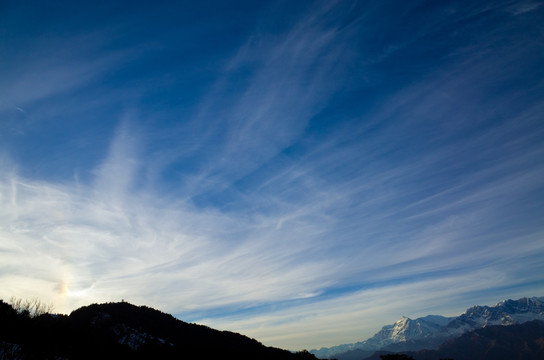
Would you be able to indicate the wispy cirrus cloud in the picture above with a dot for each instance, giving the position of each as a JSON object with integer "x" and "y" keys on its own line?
{"x": 319, "y": 188}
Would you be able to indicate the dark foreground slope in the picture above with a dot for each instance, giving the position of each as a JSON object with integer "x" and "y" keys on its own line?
{"x": 519, "y": 342}
{"x": 122, "y": 331}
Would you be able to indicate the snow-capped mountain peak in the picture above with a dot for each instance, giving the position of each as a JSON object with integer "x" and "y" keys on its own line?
{"x": 406, "y": 329}
{"x": 506, "y": 312}
{"x": 431, "y": 330}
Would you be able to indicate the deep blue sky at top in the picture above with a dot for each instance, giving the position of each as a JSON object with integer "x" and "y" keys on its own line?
{"x": 176, "y": 51}
{"x": 172, "y": 52}
{"x": 242, "y": 158}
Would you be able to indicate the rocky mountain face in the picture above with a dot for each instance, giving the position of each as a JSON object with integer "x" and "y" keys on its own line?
{"x": 406, "y": 329}
{"x": 122, "y": 331}
{"x": 430, "y": 331}
{"x": 506, "y": 312}
{"x": 494, "y": 342}
{"x": 405, "y": 334}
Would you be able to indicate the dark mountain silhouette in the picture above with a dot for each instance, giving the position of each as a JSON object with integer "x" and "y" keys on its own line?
{"x": 497, "y": 342}
{"x": 520, "y": 342}
{"x": 122, "y": 331}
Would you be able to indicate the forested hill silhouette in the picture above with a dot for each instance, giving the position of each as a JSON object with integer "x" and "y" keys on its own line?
{"x": 122, "y": 331}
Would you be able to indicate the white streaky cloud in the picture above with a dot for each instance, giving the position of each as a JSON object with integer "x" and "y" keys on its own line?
{"x": 86, "y": 248}
{"x": 37, "y": 81}
{"x": 242, "y": 213}
{"x": 286, "y": 81}
{"x": 138, "y": 248}
{"x": 56, "y": 63}
{"x": 116, "y": 175}
{"x": 522, "y": 7}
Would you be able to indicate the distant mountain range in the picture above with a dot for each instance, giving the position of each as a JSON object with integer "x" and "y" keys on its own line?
{"x": 494, "y": 342}
{"x": 122, "y": 331}
{"x": 511, "y": 329}
{"x": 431, "y": 331}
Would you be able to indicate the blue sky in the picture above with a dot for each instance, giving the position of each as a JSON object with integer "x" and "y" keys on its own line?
{"x": 301, "y": 173}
